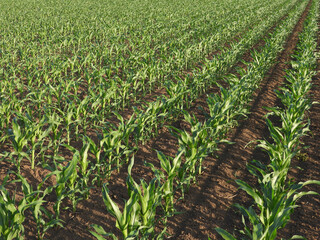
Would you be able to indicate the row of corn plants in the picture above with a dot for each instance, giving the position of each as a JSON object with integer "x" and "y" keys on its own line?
{"x": 276, "y": 197}
{"x": 176, "y": 174}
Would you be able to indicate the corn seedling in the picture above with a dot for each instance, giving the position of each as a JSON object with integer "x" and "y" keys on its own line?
{"x": 128, "y": 221}
{"x": 12, "y": 214}
{"x": 36, "y": 199}
{"x": 65, "y": 186}
{"x": 149, "y": 197}
{"x": 19, "y": 139}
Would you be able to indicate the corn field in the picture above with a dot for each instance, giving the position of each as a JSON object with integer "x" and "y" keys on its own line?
{"x": 124, "y": 119}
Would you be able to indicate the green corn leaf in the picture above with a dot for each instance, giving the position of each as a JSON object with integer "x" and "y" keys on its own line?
{"x": 297, "y": 237}
{"x": 111, "y": 206}
{"x": 223, "y": 233}
{"x": 69, "y": 170}
{"x": 301, "y": 194}
{"x": 251, "y": 191}
{"x": 100, "y": 231}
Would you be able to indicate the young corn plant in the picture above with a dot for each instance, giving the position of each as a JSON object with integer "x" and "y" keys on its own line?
{"x": 36, "y": 198}
{"x": 54, "y": 122}
{"x": 149, "y": 197}
{"x": 81, "y": 117}
{"x": 115, "y": 142}
{"x": 19, "y": 138}
{"x": 138, "y": 219}
{"x": 128, "y": 221}
{"x": 149, "y": 120}
{"x": 68, "y": 120}
{"x": 74, "y": 185}
{"x": 84, "y": 170}
{"x": 196, "y": 147}
{"x": 171, "y": 168}
{"x": 126, "y": 128}
{"x": 99, "y": 169}
{"x": 113, "y": 147}
{"x": 11, "y": 218}
{"x": 12, "y": 214}
{"x": 286, "y": 139}
{"x": 178, "y": 92}
{"x": 36, "y": 136}
{"x": 65, "y": 186}
{"x": 5, "y": 112}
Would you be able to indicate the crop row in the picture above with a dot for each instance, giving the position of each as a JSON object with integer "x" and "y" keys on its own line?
{"x": 276, "y": 197}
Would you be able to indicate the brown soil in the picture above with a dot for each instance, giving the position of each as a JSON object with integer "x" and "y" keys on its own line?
{"x": 209, "y": 202}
